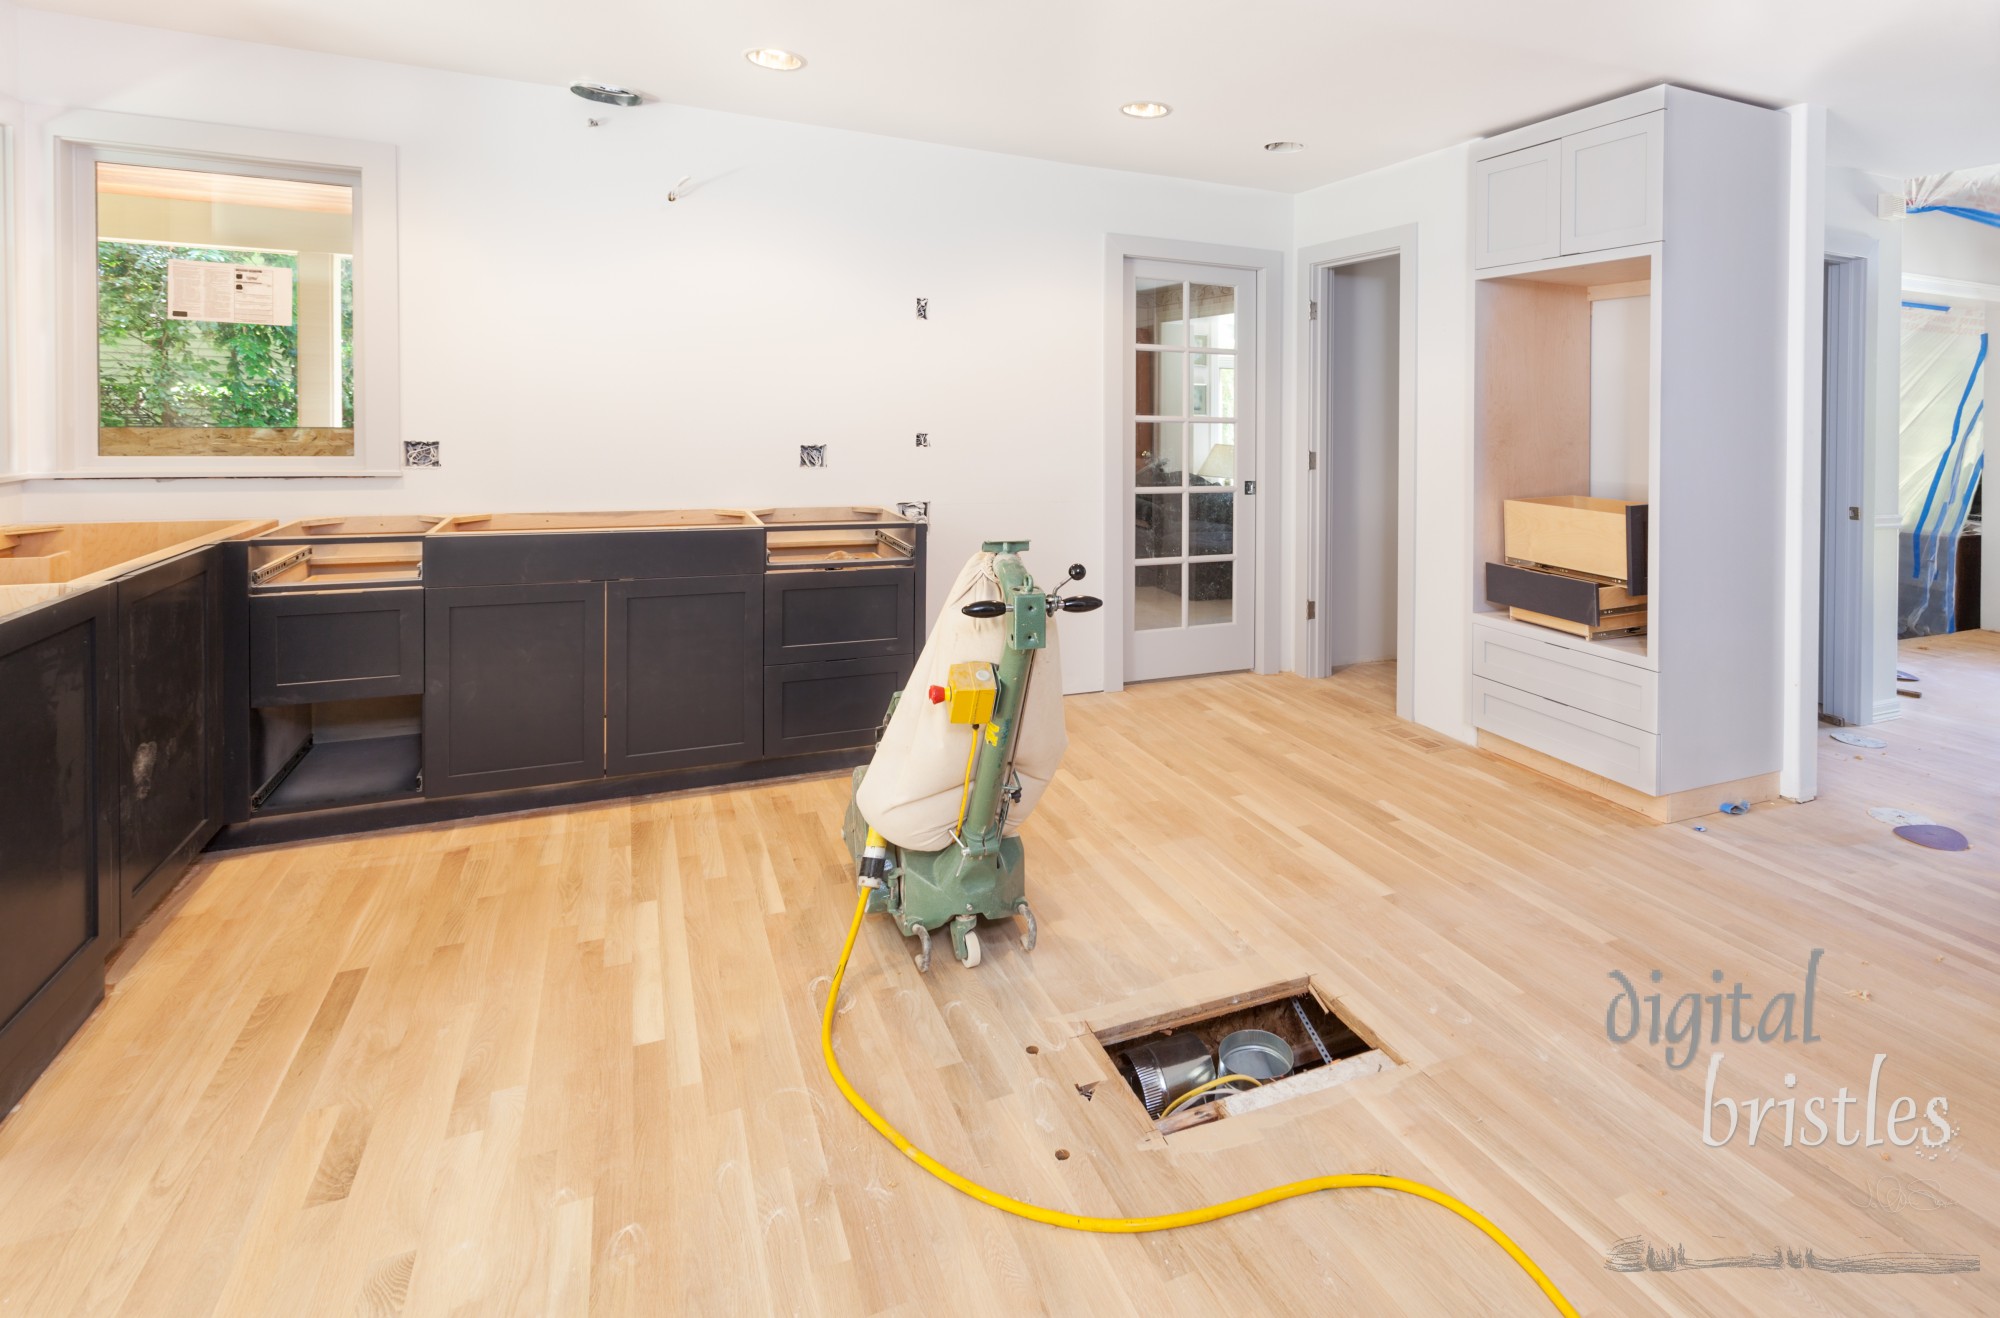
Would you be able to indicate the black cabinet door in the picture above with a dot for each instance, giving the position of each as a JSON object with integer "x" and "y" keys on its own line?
{"x": 58, "y": 789}
{"x": 839, "y": 613}
{"x": 336, "y": 645}
{"x": 686, "y": 673}
{"x": 514, "y": 686}
{"x": 829, "y": 706}
{"x": 170, "y": 665}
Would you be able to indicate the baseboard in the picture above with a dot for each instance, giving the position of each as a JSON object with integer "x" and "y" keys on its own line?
{"x": 1892, "y": 708}
{"x": 1669, "y": 809}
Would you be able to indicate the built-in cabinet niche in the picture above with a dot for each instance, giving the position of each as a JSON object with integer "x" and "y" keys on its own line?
{"x": 1629, "y": 327}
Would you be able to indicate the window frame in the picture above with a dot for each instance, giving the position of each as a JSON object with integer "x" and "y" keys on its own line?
{"x": 82, "y": 140}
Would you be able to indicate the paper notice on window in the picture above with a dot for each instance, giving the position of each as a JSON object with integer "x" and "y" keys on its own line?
{"x": 241, "y": 294}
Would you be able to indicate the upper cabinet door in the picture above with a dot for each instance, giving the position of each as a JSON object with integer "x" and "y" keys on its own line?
{"x": 1515, "y": 204}
{"x": 1611, "y": 184}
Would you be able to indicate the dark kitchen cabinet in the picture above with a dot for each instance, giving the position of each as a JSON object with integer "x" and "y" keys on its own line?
{"x": 514, "y": 686}
{"x": 833, "y": 705}
{"x": 336, "y": 645}
{"x": 684, "y": 673}
{"x": 58, "y": 822}
{"x": 169, "y": 725}
{"x": 841, "y": 613}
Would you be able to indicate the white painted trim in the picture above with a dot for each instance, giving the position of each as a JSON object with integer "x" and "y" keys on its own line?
{"x": 1308, "y": 504}
{"x": 1967, "y": 290}
{"x": 79, "y": 138}
{"x": 1798, "y": 772}
{"x": 1118, "y": 333}
{"x": 8, "y": 284}
{"x": 1629, "y": 106}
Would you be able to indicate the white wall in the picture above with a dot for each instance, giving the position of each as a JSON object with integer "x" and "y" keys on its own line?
{"x": 1948, "y": 247}
{"x": 577, "y": 342}
{"x": 10, "y": 117}
{"x": 1431, "y": 193}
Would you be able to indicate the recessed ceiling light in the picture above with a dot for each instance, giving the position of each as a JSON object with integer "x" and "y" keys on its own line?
{"x": 1281, "y": 148}
{"x": 1146, "y": 109}
{"x": 770, "y": 57}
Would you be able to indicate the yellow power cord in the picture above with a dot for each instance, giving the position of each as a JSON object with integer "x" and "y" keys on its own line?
{"x": 1203, "y": 1088}
{"x": 1163, "y": 1221}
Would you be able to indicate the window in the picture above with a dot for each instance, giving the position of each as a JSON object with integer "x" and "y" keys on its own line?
{"x": 229, "y": 301}
{"x": 224, "y": 315}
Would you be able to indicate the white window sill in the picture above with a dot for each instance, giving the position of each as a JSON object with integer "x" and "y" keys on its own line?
{"x": 170, "y": 474}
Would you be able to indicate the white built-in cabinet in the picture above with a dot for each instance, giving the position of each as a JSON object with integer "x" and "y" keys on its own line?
{"x": 1629, "y": 339}
{"x": 1585, "y": 191}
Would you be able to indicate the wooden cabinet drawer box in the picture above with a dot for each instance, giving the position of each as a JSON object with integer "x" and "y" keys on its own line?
{"x": 336, "y": 645}
{"x": 1607, "y": 748}
{"x": 1600, "y": 537}
{"x": 1581, "y": 606}
{"x": 1623, "y": 692}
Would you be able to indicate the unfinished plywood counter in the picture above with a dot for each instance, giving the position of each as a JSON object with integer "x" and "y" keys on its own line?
{"x": 48, "y": 560}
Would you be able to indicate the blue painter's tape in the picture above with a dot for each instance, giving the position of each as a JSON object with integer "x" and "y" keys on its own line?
{"x": 1926, "y": 306}
{"x": 1916, "y": 555}
{"x": 1972, "y": 213}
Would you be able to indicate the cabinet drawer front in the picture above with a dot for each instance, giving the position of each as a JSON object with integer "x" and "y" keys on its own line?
{"x": 1623, "y": 693}
{"x": 849, "y": 613}
{"x": 1604, "y": 747}
{"x": 829, "y": 706}
{"x": 340, "y": 645}
{"x": 1515, "y": 204}
{"x": 499, "y": 558}
{"x": 1611, "y": 179}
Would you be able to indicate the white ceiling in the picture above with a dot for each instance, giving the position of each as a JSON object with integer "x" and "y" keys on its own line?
{"x": 1911, "y": 86}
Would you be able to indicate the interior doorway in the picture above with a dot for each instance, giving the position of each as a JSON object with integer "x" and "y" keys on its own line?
{"x": 1844, "y": 697}
{"x": 1360, "y": 404}
{"x": 1361, "y": 340}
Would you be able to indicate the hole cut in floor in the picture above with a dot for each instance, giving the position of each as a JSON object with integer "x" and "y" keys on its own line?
{"x": 1201, "y": 1064}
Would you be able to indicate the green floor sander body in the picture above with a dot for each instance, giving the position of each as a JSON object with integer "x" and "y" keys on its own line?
{"x": 984, "y": 874}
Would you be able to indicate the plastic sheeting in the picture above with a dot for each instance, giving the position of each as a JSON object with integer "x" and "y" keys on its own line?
{"x": 1945, "y": 352}
{"x": 1970, "y": 194}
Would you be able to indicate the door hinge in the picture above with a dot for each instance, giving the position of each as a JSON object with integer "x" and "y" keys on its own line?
{"x": 1312, "y": 609}
{"x": 1249, "y": 488}
{"x": 1312, "y": 462}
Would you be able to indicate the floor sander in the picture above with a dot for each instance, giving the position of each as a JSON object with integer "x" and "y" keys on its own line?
{"x": 935, "y": 844}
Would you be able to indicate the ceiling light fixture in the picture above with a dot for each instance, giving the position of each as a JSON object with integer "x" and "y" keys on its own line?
{"x": 1146, "y": 109}
{"x": 605, "y": 94}
{"x": 1284, "y": 148}
{"x": 779, "y": 61}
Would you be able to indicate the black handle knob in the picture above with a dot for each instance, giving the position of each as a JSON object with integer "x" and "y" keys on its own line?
{"x": 1082, "y": 604}
{"x": 1076, "y": 572}
{"x": 984, "y": 609}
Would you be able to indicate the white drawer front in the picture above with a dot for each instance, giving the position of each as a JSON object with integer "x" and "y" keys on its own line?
{"x": 1610, "y": 750}
{"x": 1624, "y": 693}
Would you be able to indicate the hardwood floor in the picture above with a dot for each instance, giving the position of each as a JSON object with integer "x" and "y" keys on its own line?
{"x": 567, "y": 1063}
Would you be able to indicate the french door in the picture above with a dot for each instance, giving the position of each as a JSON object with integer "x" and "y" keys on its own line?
{"x": 1191, "y": 433}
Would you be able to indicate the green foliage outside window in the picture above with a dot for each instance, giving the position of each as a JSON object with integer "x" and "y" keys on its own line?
{"x": 153, "y": 371}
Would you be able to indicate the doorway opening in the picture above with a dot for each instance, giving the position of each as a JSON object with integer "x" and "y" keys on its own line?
{"x": 1360, "y": 439}
{"x": 1360, "y": 338}
{"x": 1844, "y": 698}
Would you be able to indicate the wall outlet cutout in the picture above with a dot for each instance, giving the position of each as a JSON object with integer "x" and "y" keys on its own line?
{"x": 421, "y": 453}
{"x": 923, "y": 308}
{"x": 1167, "y": 1059}
{"x": 923, "y": 439}
{"x": 812, "y": 455}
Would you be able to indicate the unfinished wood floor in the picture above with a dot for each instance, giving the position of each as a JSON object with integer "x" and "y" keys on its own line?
{"x": 567, "y": 1063}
